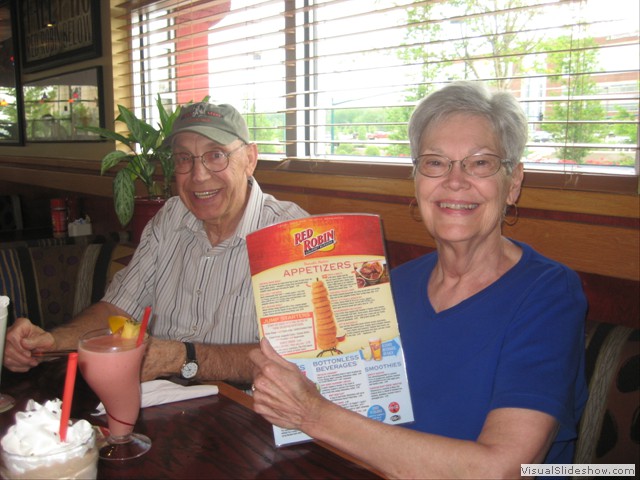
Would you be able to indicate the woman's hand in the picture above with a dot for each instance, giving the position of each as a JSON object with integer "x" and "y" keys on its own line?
{"x": 22, "y": 338}
{"x": 282, "y": 394}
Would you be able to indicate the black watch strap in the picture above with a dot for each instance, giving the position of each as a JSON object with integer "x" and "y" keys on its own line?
{"x": 191, "y": 351}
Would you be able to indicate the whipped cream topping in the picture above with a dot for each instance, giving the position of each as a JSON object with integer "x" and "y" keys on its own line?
{"x": 36, "y": 431}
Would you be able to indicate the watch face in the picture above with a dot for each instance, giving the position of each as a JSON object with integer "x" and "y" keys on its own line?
{"x": 189, "y": 370}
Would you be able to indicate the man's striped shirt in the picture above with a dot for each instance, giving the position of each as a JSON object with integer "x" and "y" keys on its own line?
{"x": 198, "y": 292}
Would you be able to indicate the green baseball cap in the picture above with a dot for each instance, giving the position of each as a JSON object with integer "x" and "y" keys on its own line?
{"x": 221, "y": 123}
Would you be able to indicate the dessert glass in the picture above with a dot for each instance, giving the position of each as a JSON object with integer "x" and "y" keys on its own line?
{"x": 71, "y": 461}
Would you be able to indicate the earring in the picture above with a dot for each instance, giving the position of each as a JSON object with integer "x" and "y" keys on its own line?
{"x": 514, "y": 219}
{"x": 413, "y": 206}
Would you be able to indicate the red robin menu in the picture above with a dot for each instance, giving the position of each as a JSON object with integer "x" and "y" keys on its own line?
{"x": 323, "y": 299}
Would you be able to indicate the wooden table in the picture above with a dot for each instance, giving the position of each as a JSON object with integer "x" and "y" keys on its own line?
{"x": 212, "y": 437}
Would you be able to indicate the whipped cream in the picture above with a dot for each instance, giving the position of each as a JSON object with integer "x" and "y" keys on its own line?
{"x": 36, "y": 431}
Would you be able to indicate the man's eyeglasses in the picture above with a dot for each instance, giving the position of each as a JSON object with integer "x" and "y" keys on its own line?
{"x": 214, "y": 161}
{"x": 480, "y": 165}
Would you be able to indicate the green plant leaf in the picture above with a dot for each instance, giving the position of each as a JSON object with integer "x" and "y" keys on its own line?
{"x": 152, "y": 139}
{"x": 124, "y": 192}
{"x": 111, "y": 159}
{"x": 163, "y": 152}
{"x": 142, "y": 167}
{"x": 140, "y": 131}
{"x": 103, "y": 132}
{"x": 149, "y": 170}
{"x": 166, "y": 119}
{"x": 147, "y": 150}
{"x": 168, "y": 166}
{"x": 164, "y": 116}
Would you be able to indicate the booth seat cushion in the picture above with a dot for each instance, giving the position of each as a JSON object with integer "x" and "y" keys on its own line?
{"x": 50, "y": 284}
{"x": 610, "y": 426}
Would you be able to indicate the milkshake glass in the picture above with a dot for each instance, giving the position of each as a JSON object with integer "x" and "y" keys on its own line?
{"x": 32, "y": 448}
{"x": 111, "y": 366}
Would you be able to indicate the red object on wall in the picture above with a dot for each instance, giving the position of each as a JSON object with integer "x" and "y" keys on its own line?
{"x": 59, "y": 217}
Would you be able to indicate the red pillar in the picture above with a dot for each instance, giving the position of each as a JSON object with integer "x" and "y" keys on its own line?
{"x": 192, "y": 65}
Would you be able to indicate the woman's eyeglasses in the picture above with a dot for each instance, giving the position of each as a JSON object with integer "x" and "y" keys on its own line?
{"x": 480, "y": 165}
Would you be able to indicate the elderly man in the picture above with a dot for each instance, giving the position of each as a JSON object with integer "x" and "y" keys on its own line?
{"x": 191, "y": 264}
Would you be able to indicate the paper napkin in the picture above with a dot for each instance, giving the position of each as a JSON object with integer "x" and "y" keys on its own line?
{"x": 157, "y": 392}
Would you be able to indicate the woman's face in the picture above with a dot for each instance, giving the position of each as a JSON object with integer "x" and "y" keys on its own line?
{"x": 458, "y": 207}
{"x": 215, "y": 198}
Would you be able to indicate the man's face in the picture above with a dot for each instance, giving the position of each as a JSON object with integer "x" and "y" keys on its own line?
{"x": 216, "y": 198}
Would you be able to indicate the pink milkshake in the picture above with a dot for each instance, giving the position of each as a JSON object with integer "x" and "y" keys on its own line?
{"x": 111, "y": 366}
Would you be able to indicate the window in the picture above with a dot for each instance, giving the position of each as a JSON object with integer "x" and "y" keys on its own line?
{"x": 10, "y": 93}
{"x": 338, "y": 79}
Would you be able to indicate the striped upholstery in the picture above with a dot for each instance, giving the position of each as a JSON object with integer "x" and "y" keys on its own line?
{"x": 12, "y": 283}
{"x": 50, "y": 284}
{"x": 610, "y": 428}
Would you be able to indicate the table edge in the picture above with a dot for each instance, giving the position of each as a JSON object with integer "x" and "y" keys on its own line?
{"x": 246, "y": 400}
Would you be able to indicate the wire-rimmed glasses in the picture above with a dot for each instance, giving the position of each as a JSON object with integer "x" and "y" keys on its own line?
{"x": 214, "y": 161}
{"x": 479, "y": 165}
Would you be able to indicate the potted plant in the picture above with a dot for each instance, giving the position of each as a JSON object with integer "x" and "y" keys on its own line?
{"x": 146, "y": 151}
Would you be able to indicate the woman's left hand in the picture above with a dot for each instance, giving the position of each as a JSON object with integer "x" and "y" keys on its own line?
{"x": 282, "y": 393}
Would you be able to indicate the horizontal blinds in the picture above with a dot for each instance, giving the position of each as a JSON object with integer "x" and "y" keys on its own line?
{"x": 337, "y": 79}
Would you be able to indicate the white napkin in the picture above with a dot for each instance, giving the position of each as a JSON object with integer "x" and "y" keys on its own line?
{"x": 157, "y": 392}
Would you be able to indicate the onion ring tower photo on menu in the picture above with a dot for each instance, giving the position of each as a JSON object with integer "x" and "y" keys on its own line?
{"x": 326, "y": 329}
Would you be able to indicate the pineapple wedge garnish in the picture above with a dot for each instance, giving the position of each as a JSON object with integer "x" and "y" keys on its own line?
{"x": 127, "y": 327}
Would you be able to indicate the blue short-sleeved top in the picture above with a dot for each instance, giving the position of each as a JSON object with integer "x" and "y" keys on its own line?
{"x": 517, "y": 343}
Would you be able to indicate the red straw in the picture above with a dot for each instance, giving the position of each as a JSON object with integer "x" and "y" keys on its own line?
{"x": 67, "y": 396}
{"x": 143, "y": 327}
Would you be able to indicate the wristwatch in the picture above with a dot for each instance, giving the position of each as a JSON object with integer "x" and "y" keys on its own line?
{"x": 190, "y": 366}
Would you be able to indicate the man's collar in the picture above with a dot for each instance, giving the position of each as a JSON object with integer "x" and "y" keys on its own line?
{"x": 248, "y": 221}
{"x": 251, "y": 212}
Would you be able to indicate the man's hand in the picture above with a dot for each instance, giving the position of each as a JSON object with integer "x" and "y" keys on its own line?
{"x": 23, "y": 337}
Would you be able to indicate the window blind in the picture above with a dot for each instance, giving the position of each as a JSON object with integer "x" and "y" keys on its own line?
{"x": 338, "y": 79}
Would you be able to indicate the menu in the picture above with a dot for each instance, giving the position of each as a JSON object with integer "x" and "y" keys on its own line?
{"x": 323, "y": 299}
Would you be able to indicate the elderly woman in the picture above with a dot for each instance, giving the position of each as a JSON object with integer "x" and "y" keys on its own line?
{"x": 492, "y": 330}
